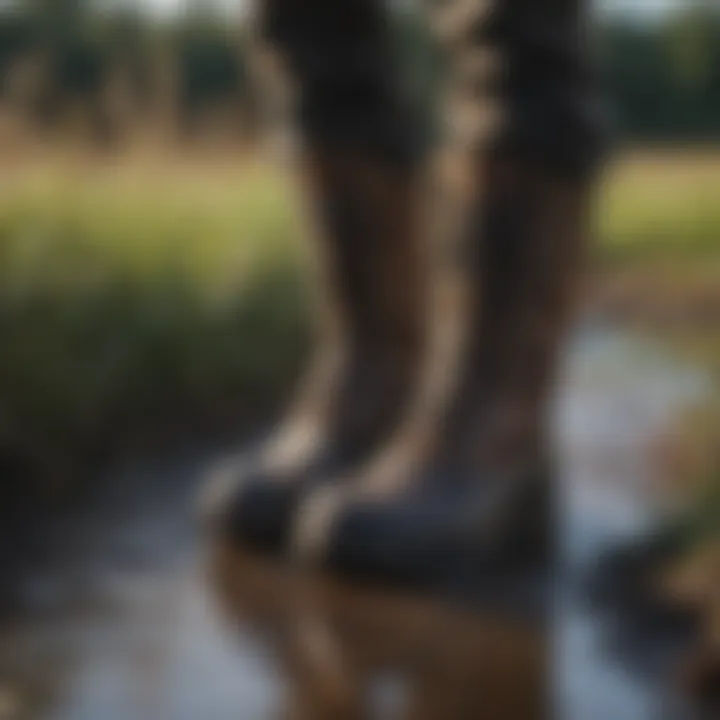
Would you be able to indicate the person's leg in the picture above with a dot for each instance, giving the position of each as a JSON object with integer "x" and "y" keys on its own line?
{"x": 524, "y": 107}
{"x": 362, "y": 162}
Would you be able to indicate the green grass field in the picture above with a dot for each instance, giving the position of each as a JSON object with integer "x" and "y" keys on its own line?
{"x": 135, "y": 297}
{"x": 139, "y": 294}
{"x": 661, "y": 209}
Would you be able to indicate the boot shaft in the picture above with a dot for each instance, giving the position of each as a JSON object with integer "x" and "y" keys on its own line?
{"x": 531, "y": 170}
{"x": 373, "y": 249}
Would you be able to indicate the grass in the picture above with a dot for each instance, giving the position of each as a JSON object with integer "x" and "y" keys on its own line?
{"x": 661, "y": 209}
{"x": 133, "y": 298}
{"x": 139, "y": 295}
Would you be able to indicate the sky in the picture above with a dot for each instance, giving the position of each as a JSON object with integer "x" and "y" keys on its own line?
{"x": 172, "y": 6}
{"x": 639, "y": 8}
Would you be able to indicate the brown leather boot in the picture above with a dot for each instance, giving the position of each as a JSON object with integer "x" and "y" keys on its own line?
{"x": 478, "y": 487}
{"x": 473, "y": 490}
{"x": 363, "y": 162}
{"x": 367, "y": 366}
{"x": 359, "y": 387}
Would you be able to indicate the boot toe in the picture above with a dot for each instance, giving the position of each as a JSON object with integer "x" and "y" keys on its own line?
{"x": 246, "y": 506}
{"x": 261, "y": 515}
{"x": 400, "y": 544}
{"x": 441, "y": 543}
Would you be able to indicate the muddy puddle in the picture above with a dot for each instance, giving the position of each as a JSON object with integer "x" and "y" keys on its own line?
{"x": 120, "y": 612}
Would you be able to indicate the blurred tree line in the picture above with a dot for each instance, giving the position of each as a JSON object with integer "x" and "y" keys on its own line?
{"x": 118, "y": 71}
{"x": 664, "y": 78}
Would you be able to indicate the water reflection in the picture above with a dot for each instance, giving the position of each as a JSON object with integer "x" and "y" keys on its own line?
{"x": 351, "y": 653}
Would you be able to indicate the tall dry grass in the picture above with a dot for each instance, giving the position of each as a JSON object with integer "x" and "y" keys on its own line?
{"x": 141, "y": 291}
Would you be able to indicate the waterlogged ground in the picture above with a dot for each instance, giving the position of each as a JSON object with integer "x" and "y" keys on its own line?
{"x": 119, "y": 613}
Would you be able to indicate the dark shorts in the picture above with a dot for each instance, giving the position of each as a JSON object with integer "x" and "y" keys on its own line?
{"x": 343, "y": 58}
